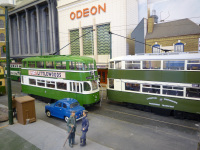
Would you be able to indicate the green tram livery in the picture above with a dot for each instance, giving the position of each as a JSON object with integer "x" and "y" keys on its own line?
{"x": 57, "y": 77}
{"x": 165, "y": 83}
{"x": 15, "y": 71}
{"x": 2, "y": 82}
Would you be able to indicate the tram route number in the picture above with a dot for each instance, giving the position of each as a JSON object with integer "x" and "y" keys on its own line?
{"x": 47, "y": 74}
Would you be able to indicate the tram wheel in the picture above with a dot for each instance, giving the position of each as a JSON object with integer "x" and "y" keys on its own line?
{"x": 66, "y": 118}
{"x": 48, "y": 113}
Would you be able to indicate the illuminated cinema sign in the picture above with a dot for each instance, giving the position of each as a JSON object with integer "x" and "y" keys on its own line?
{"x": 86, "y": 11}
{"x": 47, "y": 74}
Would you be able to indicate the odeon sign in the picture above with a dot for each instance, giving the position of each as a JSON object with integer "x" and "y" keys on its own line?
{"x": 86, "y": 12}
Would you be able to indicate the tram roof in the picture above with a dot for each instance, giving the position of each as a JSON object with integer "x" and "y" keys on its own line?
{"x": 159, "y": 56}
{"x": 60, "y": 58}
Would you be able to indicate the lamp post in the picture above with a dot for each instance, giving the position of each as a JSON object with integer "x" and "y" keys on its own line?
{"x": 8, "y": 4}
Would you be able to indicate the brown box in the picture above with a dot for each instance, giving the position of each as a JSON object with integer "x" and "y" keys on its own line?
{"x": 25, "y": 107}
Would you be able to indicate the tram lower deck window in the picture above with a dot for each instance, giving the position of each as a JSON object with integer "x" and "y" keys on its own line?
{"x": 111, "y": 83}
{"x": 132, "y": 86}
{"x": 32, "y": 81}
{"x": 193, "y": 92}
{"x": 62, "y": 86}
{"x": 50, "y": 84}
{"x": 87, "y": 87}
{"x": 40, "y": 82}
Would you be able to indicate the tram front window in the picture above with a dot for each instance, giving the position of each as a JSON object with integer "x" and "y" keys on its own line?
{"x": 87, "y": 86}
{"x": 94, "y": 85}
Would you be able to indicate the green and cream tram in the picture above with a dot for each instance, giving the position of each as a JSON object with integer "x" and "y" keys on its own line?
{"x": 15, "y": 71}
{"x": 166, "y": 83}
{"x": 2, "y": 82}
{"x": 58, "y": 77}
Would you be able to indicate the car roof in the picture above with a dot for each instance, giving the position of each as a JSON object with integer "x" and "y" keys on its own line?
{"x": 68, "y": 100}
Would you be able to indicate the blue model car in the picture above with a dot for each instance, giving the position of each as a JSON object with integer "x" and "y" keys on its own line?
{"x": 62, "y": 109}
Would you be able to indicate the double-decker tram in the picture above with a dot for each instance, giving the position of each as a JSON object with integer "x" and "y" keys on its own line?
{"x": 2, "y": 82}
{"x": 57, "y": 77}
{"x": 15, "y": 71}
{"x": 165, "y": 83}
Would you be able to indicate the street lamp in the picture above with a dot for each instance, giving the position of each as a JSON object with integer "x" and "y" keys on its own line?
{"x": 8, "y": 4}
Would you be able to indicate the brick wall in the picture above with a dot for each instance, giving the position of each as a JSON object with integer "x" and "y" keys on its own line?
{"x": 190, "y": 42}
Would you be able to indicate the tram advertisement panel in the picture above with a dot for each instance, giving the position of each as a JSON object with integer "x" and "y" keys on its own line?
{"x": 47, "y": 74}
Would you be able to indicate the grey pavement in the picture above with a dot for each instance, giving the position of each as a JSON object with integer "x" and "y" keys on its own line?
{"x": 46, "y": 136}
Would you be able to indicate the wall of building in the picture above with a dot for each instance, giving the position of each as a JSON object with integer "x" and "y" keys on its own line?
{"x": 2, "y": 31}
{"x": 190, "y": 42}
{"x": 119, "y": 14}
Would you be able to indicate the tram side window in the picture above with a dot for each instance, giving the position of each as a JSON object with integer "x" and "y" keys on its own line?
{"x": 132, "y": 86}
{"x": 91, "y": 66}
{"x": 151, "y": 64}
{"x": 40, "y": 64}
{"x": 77, "y": 87}
{"x": 31, "y": 64}
{"x": 193, "y": 92}
{"x": 112, "y": 65}
{"x": 87, "y": 87}
{"x": 85, "y": 67}
{"x": 193, "y": 65}
{"x": 25, "y": 64}
{"x": 71, "y": 65}
{"x": 79, "y": 66}
{"x": 118, "y": 65}
{"x": 151, "y": 88}
{"x": 63, "y": 65}
{"x": 173, "y": 65}
{"x": 175, "y": 91}
{"x": 50, "y": 84}
{"x": 111, "y": 83}
{"x": 32, "y": 81}
{"x": 60, "y": 65}
{"x": 49, "y": 64}
{"x": 132, "y": 65}
{"x": 41, "y": 82}
{"x": 62, "y": 86}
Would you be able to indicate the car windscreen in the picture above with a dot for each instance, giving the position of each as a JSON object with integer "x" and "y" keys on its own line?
{"x": 74, "y": 105}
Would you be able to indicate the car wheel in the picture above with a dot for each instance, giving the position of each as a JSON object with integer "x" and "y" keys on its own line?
{"x": 66, "y": 118}
{"x": 48, "y": 113}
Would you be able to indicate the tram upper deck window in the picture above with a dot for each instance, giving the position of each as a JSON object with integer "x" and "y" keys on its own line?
{"x": 132, "y": 86}
{"x": 49, "y": 64}
{"x": 85, "y": 67}
{"x": 151, "y": 64}
{"x": 112, "y": 65}
{"x": 79, "y": 66}
{"x": 25, "y": 64}
{"x": 94, "y": 85}
{"x": 87, "y": 86}
{"x": 118, "y": 65}
{"x": 60, "y": 65}
{"x": 173, "y": 65}
{"x": 111, "y": 83}
{"x": 91, "y": 66}
{"x": 132, "y": 65}
{"x": 31, "y": 64}
{"x": 193, "y": 65}
{"x": 171, "y": 90}
{"x": 72, "y": 65}
{"x": 151, "y": 88}
{"x": 40, "y": 64}
{"x": 62, "y": 86}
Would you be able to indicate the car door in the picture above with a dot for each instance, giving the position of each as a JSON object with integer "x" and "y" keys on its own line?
{"x": 58, "y": 110}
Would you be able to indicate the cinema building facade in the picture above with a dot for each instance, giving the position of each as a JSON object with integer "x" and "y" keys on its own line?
{"x": 94, "y": 19}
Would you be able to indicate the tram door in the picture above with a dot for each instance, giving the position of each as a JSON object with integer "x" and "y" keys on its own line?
{"x": 77, "y": 88}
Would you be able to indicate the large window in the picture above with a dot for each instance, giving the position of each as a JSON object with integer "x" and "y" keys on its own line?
{"x": 151, "y": 88}
{"x": 1, "y": 24}
{"x": 193, "y": 92}
{"x": 61, "y": 86}
{"x": 49, "y": 64}
{"x": 193, "y": 65}
{"x": 31, "y": 64}
{"x": 132, "y": 65}
{"x": 179, "y": 47}
{"x": 171, "y": 90}
{"x": 156, "y": 48}
{"x": 75, "y": 44}
{"x": 173, "y": 65}
{"x": 2, "y": 37}
{"x": 151, "y": 64}
{"x": 132, "y": 86}
{"x": 60, "y": 65}
{"x": 32, "y": 81}
{"x": 88, "y": 42}
{"x": 40, "y": 64}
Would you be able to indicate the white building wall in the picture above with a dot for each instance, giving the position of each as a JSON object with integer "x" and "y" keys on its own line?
{"x": 119, "y": 13}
